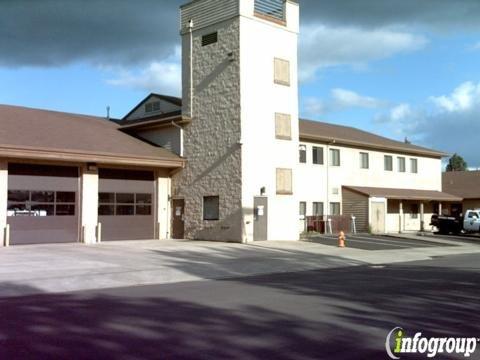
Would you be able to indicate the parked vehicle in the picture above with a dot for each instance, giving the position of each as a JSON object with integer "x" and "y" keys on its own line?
{"x": 470, "y": 223}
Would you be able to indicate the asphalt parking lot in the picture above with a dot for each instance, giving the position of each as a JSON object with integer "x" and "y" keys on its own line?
{"x": 376, "y": 242}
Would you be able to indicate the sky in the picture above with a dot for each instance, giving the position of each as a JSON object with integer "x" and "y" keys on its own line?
{"x": 398, "y": 68}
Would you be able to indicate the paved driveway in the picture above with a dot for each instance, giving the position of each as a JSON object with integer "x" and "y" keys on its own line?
{"x": 376, "y": 242}
{"x": 71, "y": 267}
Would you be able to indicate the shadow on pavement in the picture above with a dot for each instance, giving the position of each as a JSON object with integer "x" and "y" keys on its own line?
{"x": 327, "y": 314}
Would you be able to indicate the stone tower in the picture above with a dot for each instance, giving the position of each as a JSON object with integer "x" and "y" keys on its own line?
{"x": 240, "y": 90}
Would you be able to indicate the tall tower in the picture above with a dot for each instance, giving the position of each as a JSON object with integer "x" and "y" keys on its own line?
{"x": 240, "y": 90}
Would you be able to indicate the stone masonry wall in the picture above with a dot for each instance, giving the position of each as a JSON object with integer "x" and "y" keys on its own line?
{"x": 212, "y": 140}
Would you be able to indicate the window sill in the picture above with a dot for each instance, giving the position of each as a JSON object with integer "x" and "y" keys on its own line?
{"x": 287, "y": 138}
{"x": 283, "y": 83}
{"x": 270, "y": 18}
{"x": 284, "y": 193}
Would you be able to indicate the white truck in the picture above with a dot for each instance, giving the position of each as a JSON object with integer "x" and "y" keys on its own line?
{"x": 470, "y": 223}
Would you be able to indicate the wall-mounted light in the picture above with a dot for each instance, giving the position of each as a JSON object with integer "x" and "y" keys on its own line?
{"x": 263, "y": 191}
{"x": 92, "y": 167}
{"x": 231, "y": 56}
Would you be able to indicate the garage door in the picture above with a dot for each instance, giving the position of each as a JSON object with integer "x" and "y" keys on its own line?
{"x": 126, "y": 204}
{"x": 42, "y": 204}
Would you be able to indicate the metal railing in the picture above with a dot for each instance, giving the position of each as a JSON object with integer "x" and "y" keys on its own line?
{"x": 272, "y": 8}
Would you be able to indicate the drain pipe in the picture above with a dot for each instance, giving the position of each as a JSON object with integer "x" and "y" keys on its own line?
{"x": 190, "y": 31}
{"x": 181, "y": 136}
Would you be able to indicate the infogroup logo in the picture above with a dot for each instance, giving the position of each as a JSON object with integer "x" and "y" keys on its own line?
{"x": 398, "y": 343}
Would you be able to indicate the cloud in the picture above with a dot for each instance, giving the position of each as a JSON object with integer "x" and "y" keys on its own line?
{"x": 439, "y": 15}
{"x": 322, "y": 46}
{"x": 449, "y": 122}
{"x": 340, "y": 100}
{"x": 464, "y": 98}
{"x": 103, "y": 32}
{"x": 164, "y": 76}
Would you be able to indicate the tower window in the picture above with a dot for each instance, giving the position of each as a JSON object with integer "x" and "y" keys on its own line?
{"x": 271, "y": 8}
{"x": 209, "y": 39}
{"x": 282, "y": 72}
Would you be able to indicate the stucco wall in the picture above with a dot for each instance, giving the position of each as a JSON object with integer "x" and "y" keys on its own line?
{"x": 312, "y": 179}
{"x": 211, "y": 141}
{"x": 3, "y": 199}
{"x": 261, "y": 42}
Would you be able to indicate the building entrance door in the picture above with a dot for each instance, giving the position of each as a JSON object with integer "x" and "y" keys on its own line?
{"x": 378, "y": 217}
{"x": 260, "y": 224}
{"x": 178, "y": 222}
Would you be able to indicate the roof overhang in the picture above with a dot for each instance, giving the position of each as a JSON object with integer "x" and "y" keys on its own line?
{"x": 365, "y": 145}
{"x": 84, "y": 157}
{"x": 404, "y": 194}
{"x": 156, "y": 123}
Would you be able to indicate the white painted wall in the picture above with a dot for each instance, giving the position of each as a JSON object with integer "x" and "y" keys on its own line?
{"x": 3, "y": 199}
{"x": 89, "y": 205}
{"x": 312, "y": 179}
{"x": 163, "y": 192}
{"x": 261, "y": 42}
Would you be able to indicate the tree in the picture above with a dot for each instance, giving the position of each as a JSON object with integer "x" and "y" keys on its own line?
{"x": 457, "y": 163}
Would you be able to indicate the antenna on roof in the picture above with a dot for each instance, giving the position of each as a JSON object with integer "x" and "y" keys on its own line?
{"x": 108, "y": 112}
{"x": 407, "y": 141}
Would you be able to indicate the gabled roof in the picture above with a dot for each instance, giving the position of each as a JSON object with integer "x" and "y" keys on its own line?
{"x": 50, "y": 135}
{"x": 465, "y": 184}
{"x": 345, "y": 135}
{"x": 404, "y": 194}
{"x": 171, "y": 99}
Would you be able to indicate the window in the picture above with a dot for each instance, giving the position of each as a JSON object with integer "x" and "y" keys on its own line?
{"x": 282, "y": 72}
{"x": 284, "y": 182}
{"x": 388, "y": 160}
{"x": 41, "y": 203}
{"x": 283, "y": 127}
{"x": 364, "y": 161}
{"x": 334, "y": 157}
{"x": 414, "y": 166}
{"x": 152, "y": 107}
{"x": 317, "y": 209}
{"x": 211, "y": 208}
{"x": 209, "y": 39}
{"x": 401, "y": 164}
{"x": 303, "y": 210}
{"x": 414, "y": 211}
{"x": 303, "y": 154}
{"x": 317, "y": 155}
{"x": 473, "y": 215}
{"x": 270, "y": 8}
{"x": 124, "y": 204}
{"x": 334, "y": 208}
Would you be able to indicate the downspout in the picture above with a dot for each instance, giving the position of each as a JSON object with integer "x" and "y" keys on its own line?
{"x": 327, "y": 207}
{"x": 190, "y": 31}
{"x": 181, "y": 136}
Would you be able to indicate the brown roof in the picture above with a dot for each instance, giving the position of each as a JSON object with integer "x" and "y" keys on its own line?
{"x": 154, "y": 121}
{"x": 465, "y": 184}
{"x": 325, "y": 132}
{"x": 404, "y": 194}
{"x": 50, "y": 135}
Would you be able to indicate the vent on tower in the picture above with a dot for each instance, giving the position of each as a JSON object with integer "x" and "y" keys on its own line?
{"x": 271, "y": 8}
{"x": 209, "y": 39}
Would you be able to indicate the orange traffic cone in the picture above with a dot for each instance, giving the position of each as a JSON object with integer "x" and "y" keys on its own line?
{"x": 341, "y": 239}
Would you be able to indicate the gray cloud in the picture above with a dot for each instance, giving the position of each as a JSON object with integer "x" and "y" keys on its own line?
{"x": 443, "y": 15}
{"x": 125, "y": 32}
{"x": 105, "y": 32}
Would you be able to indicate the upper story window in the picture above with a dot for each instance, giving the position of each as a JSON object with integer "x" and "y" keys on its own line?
{"x": 209, "y": 39}
{"x": 317, "y": 155}
{"x": 401, "y": 164}
{"x": 283, "y": 126}
{"x": 282, "y": 72}
{"x": 388, "y": 163}
{"x": 334, "y": 157}
{"x": 271, "y": 9}
{"x": 284, "y": 182}
{"x": 364, "y": 161}
{"x": 414, "y": 166}
{"x": 152, "y": 106}
{"x": 302, "y": 150}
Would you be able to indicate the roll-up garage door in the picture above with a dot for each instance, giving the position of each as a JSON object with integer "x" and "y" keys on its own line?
{"x": 126, "y": 204}
{"x": 42, "y": 204}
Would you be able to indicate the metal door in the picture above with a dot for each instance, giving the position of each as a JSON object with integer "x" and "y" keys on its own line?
{"x": 43, "y": 204}
{"x": 178, "y": 221}
{"x": 126, "y": 204}
{"x": 378, "y": 218}
{"x": 260, "y": 221}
